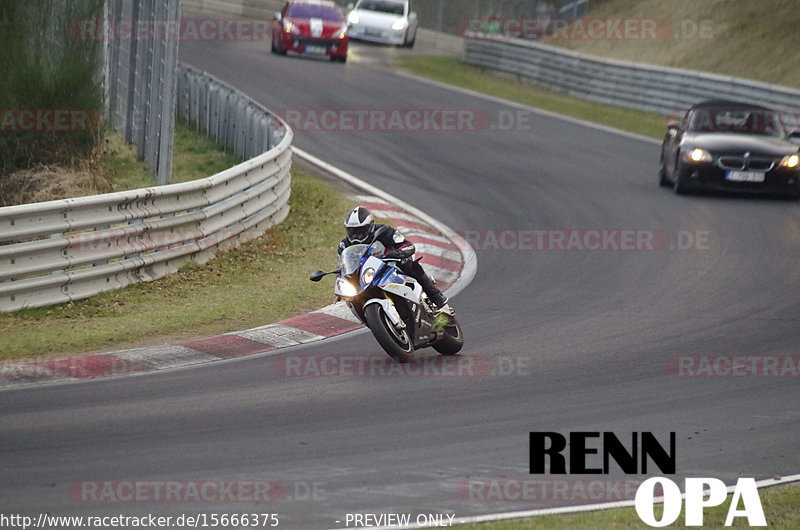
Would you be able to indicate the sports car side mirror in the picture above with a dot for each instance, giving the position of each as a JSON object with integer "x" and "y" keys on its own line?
{"x": 277, "y": 16}
{"x": 673, "y": 127}
{"x": 412, "y": 16}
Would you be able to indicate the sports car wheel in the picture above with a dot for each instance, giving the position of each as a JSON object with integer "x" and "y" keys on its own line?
{"x": 678, "y": 184}
{"x": 662, "y": 174}
{"x": 410, "y": 44}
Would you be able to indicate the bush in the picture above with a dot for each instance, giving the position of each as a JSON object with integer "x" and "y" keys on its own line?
{"x": 43, "y": 68}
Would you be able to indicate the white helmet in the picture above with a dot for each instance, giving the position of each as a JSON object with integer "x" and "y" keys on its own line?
{"x": 359, "y": 224}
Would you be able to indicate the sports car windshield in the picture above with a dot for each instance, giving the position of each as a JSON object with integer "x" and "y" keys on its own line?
{"x": 351, "y": 258}
{"x": 314, "y": 11}
{"x": 382, "y": 6}
{"x": 739, "y": 120}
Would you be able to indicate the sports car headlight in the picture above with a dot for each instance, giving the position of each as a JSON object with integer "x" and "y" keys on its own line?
{"x": 342, "y": 33}
{"x": 697, "y": 155}
{"x": 352, "y": 17}
{"x": 346, "y": 288}
{"x": 368, "y": 276}
{"x": 399, "y": 24}
{"x": 288, "y": 27}
{"x": 790, "y": 161}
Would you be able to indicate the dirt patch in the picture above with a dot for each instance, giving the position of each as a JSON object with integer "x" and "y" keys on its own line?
{"x": 47, "y": 183}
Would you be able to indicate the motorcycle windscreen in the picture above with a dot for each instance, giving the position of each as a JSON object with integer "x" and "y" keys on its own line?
{"x": 351, "y": 258}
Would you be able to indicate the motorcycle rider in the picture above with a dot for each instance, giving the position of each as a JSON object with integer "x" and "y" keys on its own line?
{"x": 360, "y": 225}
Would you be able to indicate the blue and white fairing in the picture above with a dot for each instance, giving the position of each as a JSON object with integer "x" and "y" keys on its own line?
{"x": 361, "y": 269}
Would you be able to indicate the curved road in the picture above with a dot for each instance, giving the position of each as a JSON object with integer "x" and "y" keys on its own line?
{"x": 587, "y": 334}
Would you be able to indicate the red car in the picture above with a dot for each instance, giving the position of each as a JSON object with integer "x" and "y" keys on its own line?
{"x": 313, "y": 27}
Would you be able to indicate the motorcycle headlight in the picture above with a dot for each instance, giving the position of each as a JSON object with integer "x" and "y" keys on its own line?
{"x": 399, "y": 24}
{"x": 368, "y": 276}
{"x": 346, "y": 288}
{"x": 697, "y": 155}
{"x": 790, "y": 161}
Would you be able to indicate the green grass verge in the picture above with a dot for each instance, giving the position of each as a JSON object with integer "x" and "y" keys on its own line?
{"x": 779, "y": 503}
{"x": 455, "y": 71}
{"x": 740, "y": 38}
{"x": 195, "y": 156}
{"x": 263, "y": 281}
{"x": 118, "y": 162}
{"x": 42, "y": 66}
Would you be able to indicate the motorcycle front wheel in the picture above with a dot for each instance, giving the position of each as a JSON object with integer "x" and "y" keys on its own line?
{"x": 395, "y": 342}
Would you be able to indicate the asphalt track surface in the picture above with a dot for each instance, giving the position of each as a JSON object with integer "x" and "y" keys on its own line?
{"x": 589, "y": 333}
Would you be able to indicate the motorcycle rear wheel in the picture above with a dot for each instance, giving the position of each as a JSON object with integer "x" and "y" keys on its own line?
{"x": 453, "y": 339}
{"x": 396, "y": 343}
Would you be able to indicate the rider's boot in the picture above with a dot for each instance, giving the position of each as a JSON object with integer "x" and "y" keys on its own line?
{"x": 437, "y": 298}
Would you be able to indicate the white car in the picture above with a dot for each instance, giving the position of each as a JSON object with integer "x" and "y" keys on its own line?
{"x": 384, "y": 21}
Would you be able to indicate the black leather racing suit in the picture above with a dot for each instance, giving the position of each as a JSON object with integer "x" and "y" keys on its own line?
{"x": 397, "y": 246}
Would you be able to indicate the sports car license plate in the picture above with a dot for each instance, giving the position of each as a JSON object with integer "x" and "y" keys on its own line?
{"x": 745, "y": 176}
{"x": 319, "y": 50}
{"x": 373, "y": 32}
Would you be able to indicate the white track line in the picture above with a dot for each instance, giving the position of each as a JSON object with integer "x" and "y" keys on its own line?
{"x": 424, "y": 248}
{"x": 565, "y": 510}
{"x": 542, "y": 112}
{"x": 391, "y": 214}
{"x": 412, "y": 232}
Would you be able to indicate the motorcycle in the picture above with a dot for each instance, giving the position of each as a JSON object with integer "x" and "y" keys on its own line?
{"x": 391, "y": 304}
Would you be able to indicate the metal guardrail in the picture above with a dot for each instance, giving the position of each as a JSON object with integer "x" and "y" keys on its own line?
{"x": 234, "y": 120}
{"x": 637, "y": 86}
{"x": 58, "y": 251}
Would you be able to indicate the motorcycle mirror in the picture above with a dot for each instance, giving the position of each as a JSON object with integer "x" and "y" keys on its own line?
{"x": 316, "y": 276}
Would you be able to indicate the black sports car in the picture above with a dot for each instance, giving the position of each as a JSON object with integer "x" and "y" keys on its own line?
{"x": 731, "y": 146}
